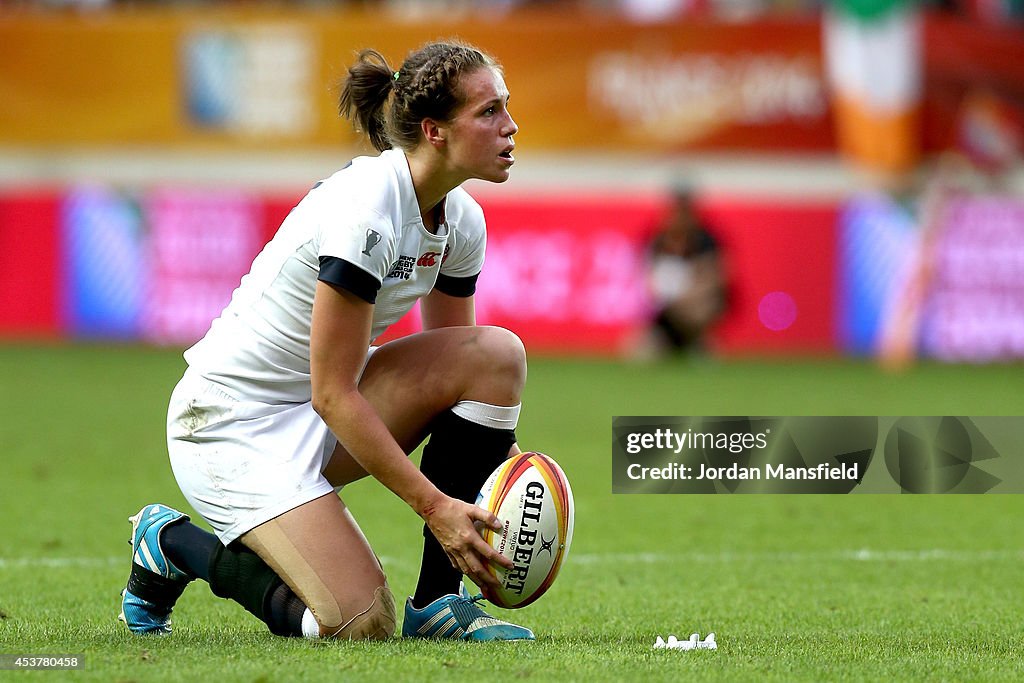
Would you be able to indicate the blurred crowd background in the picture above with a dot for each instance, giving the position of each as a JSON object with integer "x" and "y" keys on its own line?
{"x": 851, "y": 170}
{"x": 631, "y": 10}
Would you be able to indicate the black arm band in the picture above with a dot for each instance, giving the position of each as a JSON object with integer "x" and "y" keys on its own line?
{"x": 456, "y": 286}
{"x": 349, "y": 276}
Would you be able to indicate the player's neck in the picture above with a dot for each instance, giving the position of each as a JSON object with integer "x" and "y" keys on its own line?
{"x": 432, "y": 183}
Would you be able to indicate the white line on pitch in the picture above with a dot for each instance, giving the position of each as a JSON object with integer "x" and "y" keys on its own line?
{"x": 860, "y": 555}
{"x": 58, "y": 562}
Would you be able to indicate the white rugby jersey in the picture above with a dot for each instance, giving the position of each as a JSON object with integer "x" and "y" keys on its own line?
{"x": 360, "y": 229}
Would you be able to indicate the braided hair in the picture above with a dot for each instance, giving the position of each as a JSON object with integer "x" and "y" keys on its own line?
{"x": 388, "y": 105}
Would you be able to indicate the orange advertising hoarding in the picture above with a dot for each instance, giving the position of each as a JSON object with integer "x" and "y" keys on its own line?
{"x": 268, "y": 78}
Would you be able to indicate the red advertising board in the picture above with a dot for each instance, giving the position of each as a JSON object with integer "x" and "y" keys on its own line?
{"x": 30, "y": 269}
{"x": 566, "y": 272}
{"x": 201, "y": 243}
{"x": 780, "y": 256}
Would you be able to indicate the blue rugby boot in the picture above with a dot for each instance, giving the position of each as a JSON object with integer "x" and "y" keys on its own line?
{"x": 457, "y": 617}
{"x": 154, "y": 584}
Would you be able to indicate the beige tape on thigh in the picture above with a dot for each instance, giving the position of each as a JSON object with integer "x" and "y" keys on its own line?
{"x": 271, "y": 543}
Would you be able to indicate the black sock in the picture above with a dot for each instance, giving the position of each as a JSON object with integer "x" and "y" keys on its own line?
{"x": 189, "y": 548}
{"x": 458, "y": 459}
{"x": 239, "y": 574}
{"x": 283, "y": 611}
{"x": 437, "y": 575}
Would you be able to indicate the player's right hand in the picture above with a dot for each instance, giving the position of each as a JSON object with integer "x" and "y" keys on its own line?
{"x": 452, "y": 522}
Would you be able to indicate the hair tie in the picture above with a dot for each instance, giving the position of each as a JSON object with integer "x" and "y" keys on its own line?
{"x": 396, "y": 75}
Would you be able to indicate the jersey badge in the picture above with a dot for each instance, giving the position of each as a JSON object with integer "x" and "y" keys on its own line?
{"x": 427, "y": 259}
{"x": 372, "y": 240}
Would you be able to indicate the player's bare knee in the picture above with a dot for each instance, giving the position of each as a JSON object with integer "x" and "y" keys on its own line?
{"x": 376, "y": 622}
{"x": 503, "y": 352}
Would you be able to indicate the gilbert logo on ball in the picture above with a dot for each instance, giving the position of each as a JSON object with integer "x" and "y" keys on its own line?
{"x": 530, "y": 494}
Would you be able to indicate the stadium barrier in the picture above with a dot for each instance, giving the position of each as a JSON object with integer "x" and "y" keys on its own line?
{"x": 565, "y": 271}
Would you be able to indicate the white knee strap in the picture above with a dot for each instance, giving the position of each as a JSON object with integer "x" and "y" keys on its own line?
{"x": 487, "y": 415}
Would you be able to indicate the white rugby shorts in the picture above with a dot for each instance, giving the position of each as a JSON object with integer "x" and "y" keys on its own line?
{"x": 242, "y": 463}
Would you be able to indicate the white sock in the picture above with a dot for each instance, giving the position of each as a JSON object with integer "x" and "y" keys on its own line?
{"x": 487, "y": 415}
{"x": 310, "y": 629}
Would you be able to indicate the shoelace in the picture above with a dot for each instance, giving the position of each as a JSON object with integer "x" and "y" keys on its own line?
{"x": 468, "y": 612}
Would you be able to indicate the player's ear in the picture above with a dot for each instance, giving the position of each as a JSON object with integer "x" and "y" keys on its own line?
{"x": 435, "y": 132}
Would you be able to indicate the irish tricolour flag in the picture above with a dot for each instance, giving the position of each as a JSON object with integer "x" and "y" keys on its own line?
{"x": 873, "y": 53}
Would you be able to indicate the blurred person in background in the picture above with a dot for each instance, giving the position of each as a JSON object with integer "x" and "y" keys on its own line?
{"x": 286, "y": 400}
{"x": 686, "y": 279}
{"x": 986, "y": 148}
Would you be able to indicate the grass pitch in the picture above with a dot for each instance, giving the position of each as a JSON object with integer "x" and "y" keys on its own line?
{"x": 795, "y": 587}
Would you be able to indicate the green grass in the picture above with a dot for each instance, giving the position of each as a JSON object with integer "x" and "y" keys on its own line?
{"x": 796, "y": 587}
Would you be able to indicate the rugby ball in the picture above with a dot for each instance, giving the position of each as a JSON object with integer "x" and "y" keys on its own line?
{"x": 530, "y": 494}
